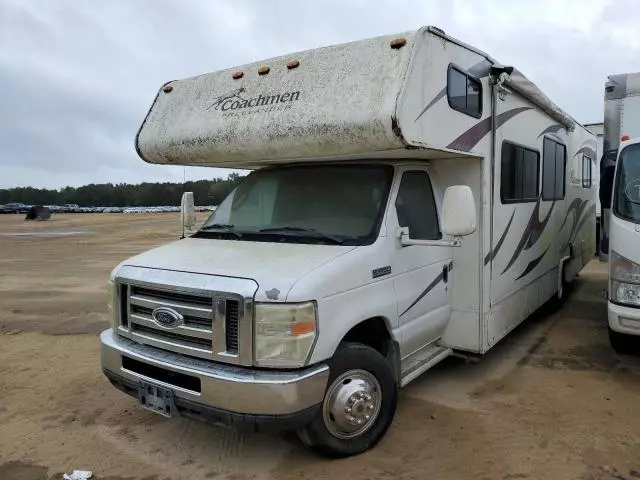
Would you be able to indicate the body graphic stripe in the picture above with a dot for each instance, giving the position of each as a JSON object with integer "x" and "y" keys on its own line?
{"x": 551, "y": 129}
{"x": 590, "y": 211}
{"x": 430, "y": 287}
{"x": 471, "y": 137}
{"x": 532, "y": 232}
{"x": 533, "y": 264}
{"x": 491, "y": 255}
{"x": 590, "y": 152}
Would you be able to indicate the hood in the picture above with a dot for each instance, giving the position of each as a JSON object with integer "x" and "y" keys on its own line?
{"x": 272, "y": 265}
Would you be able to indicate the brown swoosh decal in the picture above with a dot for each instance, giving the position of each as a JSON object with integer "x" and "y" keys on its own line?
{"x": 575, "y": 206}
{"x": 471, "y": 137}
{"x": 538, "y": 228}
{"x": 532, "y": 232}
{"x": 590, "y": 152}
{"x": 532, "y": 264}
{"x": 551, "y": 129}
{"x": 430, "y": 287}
{"x": 491, "y": 255}
{"x": 590, "y": 211}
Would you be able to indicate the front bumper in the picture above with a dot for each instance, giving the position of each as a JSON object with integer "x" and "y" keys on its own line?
{"x": 624, "y": 319}
{"x": 217, "y": 392}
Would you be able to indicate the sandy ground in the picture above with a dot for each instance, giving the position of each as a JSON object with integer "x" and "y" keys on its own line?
{"x": 551, "y": 402}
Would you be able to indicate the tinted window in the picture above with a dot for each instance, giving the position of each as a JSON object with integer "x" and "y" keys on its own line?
{"x": 626, "y": 195}
{"x": 457, "y": 89}
{"x": 464, "y": 92}
{"x": 416, "y": 207}
{"x": 586, "y": 172}
{"x": 346, "y": 202}
{"x": 554, "y": 156}
{"x": 519, "y": 174}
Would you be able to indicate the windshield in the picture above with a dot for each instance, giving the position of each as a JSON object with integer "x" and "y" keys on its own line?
{"x": 626, "y": 197}
{"x": 305, "y": 204}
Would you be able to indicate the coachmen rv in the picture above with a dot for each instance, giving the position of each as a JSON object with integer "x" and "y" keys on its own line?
{"x": 410, "y": 198}
{"x": 620, "y": 198}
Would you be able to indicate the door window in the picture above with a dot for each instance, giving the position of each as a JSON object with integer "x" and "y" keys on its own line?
{"x": 416, "y": 206}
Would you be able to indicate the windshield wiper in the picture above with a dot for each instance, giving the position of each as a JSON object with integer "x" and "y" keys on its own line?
{"x": 302, "y": 232}
{"x": 221, "y": 228}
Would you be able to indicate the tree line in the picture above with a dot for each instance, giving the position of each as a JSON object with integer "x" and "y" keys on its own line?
{"x": 205, "y": 192}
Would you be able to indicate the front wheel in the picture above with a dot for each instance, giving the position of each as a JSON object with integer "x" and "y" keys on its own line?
{"x": 358, "y": 406}
{"x": 621, "y": 343}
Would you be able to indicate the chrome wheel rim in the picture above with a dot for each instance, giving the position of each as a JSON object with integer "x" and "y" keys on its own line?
{"x": 352, "y": 404}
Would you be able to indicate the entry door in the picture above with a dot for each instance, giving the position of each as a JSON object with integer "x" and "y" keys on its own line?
{"x": 422, "y": 273}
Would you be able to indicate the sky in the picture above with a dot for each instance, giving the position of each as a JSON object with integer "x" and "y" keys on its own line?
{"x": 77, "y": 77}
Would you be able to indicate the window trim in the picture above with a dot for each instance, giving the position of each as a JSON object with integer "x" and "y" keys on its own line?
{"x": 564, "y": 172}
{"x": 590, "y": 163}
{"x": 433, "y": 194}
{"x": 538, "y": 187}
{"x": 453, "y": 66}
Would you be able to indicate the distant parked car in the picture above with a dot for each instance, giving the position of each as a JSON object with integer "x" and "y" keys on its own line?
{"x": 72, "y": 207}
{"x": 14, "y": 208}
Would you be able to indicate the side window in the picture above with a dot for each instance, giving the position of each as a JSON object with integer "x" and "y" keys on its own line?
{"x": 416, "y": 206}
{"x": 519, "y": 174}
{"x": 464, "y": 92}
{"x": 554, "y": 160}
{"x": 586, "y": 172}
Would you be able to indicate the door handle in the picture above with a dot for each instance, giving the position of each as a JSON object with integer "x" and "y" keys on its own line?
{"x": 445, "y": 273}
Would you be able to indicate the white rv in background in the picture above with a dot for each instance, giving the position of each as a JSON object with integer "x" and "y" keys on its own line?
{"x": 597, "y": 129}
{"x": 620, "y": 196}
{"x": 411, "y": 198}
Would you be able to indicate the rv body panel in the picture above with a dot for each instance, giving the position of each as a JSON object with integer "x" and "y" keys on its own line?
{"x": 340, "y": 100}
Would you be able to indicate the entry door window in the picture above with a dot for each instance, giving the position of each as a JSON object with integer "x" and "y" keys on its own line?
{"x": 416, "y": 206}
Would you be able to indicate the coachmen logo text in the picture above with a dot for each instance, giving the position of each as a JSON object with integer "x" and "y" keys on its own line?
{"x": 236, "y": 103}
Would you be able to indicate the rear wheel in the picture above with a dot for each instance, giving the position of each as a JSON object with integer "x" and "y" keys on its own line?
{"x": 358, "y": 406}
{"x": 621, "y": 343}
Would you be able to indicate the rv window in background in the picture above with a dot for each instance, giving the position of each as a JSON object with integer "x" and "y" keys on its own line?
{"x": 586, "y": 172}
{"x": 416, "y": 207}
{"x": 554, "y": 159}
{"x": 519, "y": 174}
{"x": 464, "y": 92}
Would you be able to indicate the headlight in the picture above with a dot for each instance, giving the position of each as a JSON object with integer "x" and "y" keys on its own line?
{"x": 284, "y": 333}
{"x": 625, "y": 280}
{"x": 627, "y": 293}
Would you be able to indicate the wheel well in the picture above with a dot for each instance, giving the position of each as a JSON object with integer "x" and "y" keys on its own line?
{"x": 372, "y": 332}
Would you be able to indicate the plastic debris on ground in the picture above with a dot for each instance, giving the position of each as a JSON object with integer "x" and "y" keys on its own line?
{"x": 78, "y": 475}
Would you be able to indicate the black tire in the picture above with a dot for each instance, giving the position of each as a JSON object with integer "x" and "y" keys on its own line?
{"x": 621, "y": 343}
{"x": 352, "y": 357}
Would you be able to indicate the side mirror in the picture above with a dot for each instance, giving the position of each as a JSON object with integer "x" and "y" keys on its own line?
{"x": 458, "y": 211}
{"x": 187, "y": 212}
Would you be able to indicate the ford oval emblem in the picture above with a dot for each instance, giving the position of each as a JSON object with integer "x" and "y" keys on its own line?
{"x": 167, "y": 317}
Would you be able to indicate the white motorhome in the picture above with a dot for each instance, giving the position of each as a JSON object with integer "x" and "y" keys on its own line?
{"x": 411, "y": 198}
{"x": 620, "y": 196}
{"x": 597, "y": 129}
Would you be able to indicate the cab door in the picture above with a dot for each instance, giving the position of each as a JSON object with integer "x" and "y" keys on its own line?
{"x": 422, "y": 272}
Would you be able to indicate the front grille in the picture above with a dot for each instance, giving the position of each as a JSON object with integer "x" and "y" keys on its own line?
{"x": 173, "y": 338}
{"x": 199, "y": 335}
{"x": 231, "y": 327}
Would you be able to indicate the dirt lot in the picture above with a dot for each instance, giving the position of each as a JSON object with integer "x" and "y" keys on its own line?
{"x": 551, "y": 402}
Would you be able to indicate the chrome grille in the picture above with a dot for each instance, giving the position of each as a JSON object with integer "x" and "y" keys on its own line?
{"x": 231, "y": 327}
{"x": 196, "y": 336}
